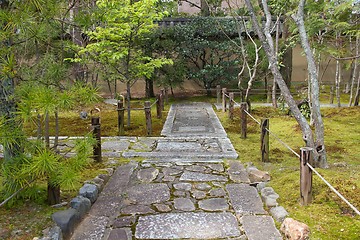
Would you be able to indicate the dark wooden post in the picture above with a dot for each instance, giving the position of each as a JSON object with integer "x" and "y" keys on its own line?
{"x": 265, "y": 140}
{"x": 224, "y": 100}
{"x": 162, "y": 95}
{"x": 95, "y": 124}
{"x": 305, "y": 176}
{"x": 148, "y": 117}
{"x": 231, "y": 106}
{"x": 121, "y": 119}
{"x": 218, "y": 94}
{"x": 158, "y": 106}
{"x": 243, "y": 117}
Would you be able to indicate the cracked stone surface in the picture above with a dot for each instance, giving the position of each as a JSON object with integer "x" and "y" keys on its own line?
{"x": 184, "y": 204}
{"x": 187, "y": 225}
{"x": 214, "y": 204}
{"x": 260, "y": 227}
{"x": 201, "y": 177}
{"x": 149, "y": 193}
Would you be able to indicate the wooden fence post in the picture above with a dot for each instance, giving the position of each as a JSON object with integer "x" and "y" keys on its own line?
{"x": 121, "y": 119}
{"x": 148, "y": 117}
{"x": 243, "y": 117}
{"x": 305, "y": 176}
{"x": 231, "y": 106}
{"x": 218, "y": 94}
{"x": 158, "y": 106}
{"x": 96, "y": 131}
{"x": 162, "y": 95}
{"x": 224, "y": 100}
{"x": 265, "y": 140}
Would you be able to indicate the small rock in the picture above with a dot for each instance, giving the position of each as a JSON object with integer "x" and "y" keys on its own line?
{"x": 81, "y": 204}
{"x": 110, "y": 171}
{"x": 218, "y": 184}
{"x": 171, "y": 171}
{"x": 261, "y": 185}
{"x": 66, "y": 220}
{"x": 120, "y": 233}
{"x": 202, "y": 186}
{"x": 183, "y": 186}
{"x": 279, "y": 213}
{"x": 255, "y": 175}
{"x": 269, "y": 196}
{"x": 162, "y": 207}
{"x": 104, "y": 177}
{"x": 294, "y": 230}
{"x": 216, "y": 167}
{"x": 168, "y": 178}
{"x": 198, "y": 194}
{"x": 340, "y": 164}
{"x": 183, "y": 204}
{"x": 179, "y": 194}
{"x": 89, "y": 191}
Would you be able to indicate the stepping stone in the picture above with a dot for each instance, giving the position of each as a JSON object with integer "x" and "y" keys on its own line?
{"x": 184, "y": 204}
{"x": 214, "y": 204}
{"x": 260, "y": 228}
{"x": 124, "y": 222}
{"x": 149, "y": 193}
{"x": 202, "y": 186}
{"x": 201, "y": 177}
{"x": 171, "y": 171}
{"x": 237, "y": 172}
{"x": 198, "y": 194}
{"x": 162, "y": 207}
{"x": 245, "y": 199}
{"x": 182, "y": 186}
{"x": 198, "y": 225}
{"x": 217, "y": 192}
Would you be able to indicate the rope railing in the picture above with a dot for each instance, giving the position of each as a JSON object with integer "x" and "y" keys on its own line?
{"x": 298, "y": 155}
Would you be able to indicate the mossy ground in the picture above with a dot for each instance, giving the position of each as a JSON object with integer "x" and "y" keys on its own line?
{"x": 327, "y": 216}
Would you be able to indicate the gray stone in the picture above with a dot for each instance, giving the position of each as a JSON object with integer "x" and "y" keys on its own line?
{"x": 255, "y": 175}
{"x": 216, "y": 167}
{"x": 269, "y": 196}
{"x": 162, "y": 207}
{"x": 198, "y": 194}
{"x": 179, "y": 193}
{"x": 196, "y": 168}
{"x": 217, "y": 192}
{"x": 149, "y": 193}
{"x": 201, "y": 177}
{"x": 279, "y": 213}
{"x": 261, "y": 185}
{"x": 183, "y": 186}
{"x": 183, "y": 204}
{"x": 178, "y": 146}
{"x": 116, "y": 146}
{"x": 198, "y": 225}
{"x": 126, "y": 221}
{"x": 120, "y": 233}
{"x": 53, "y": 233}
{"x": 104, "y": 177}
{"x": 214, "y": 204}
{"x": 81, "y": 204}
{"x": 168, "y": 179}
{"x": 202, "y": 186}
{"x": 218, "y": 184}
{"x": 89, "y": 191}
{"x": 237, "y": 172}
{"x": 137, "y": 209}
{"x": 245, "y": 199}
{"x": 171, "y": 171}
{"x": 66, "y": 220}
{"x": 260, "y": 228}
{"x": 147, "y": 175}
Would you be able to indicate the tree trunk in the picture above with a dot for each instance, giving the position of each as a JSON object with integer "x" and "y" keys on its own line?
{"x": 267, "y": 43}
{"x": 320, "y": 152}
{"x": 46, "y": 130}
{"x": 56, "y": 140}
{"x": 354, "y": 72}
{"x": 149, "y": 87}
{"x": 337, "y": 82}
{"x": 53, "y": 194}
{"x": 128, "y": 98}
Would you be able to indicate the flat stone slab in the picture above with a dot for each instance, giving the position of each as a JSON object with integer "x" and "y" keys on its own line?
{"x": 260, "y": 228}
{"x": 245, "y": 199}
{"x": 214, "y": 204}
{"x": 149, "y": 193}
{"x": 201, "y": 177}
{"x": 198, "y": 225}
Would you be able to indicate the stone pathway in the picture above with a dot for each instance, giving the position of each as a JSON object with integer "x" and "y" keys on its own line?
{"x": 184, "y": 190}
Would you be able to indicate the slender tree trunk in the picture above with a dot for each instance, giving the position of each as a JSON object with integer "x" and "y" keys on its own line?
{"x": 269, "y": 50}
{"x": 320, "y": 151}
{"x": 149, "y": 87}
{"x": 53, "y": 194}
{"x": 357, "y": 96}
{"x": 337, "y": 82}
{"x": 46, "y": 130}
{"x": 128, "y": 98}
{"x": 354, "y": 72}
{"x": 56, "y": 140}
